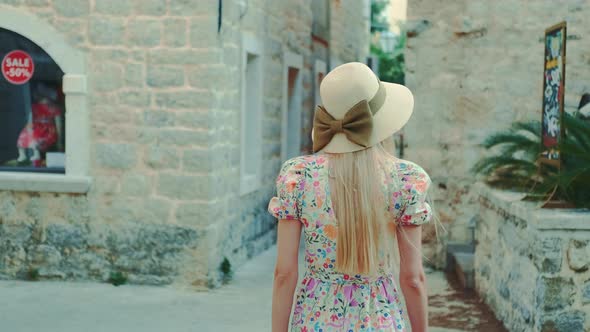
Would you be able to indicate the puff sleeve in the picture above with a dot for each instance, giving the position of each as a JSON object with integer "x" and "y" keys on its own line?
{"x": 416, "y": 210}
{"x": 289, "y": 182}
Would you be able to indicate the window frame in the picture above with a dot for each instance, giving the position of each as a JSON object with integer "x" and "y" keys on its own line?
{"x": 335, "y": 61}
{"x": 73, "y": 63}
{"x": 291, "y": 60}
{"x": 319, "y": 67}
{"x": 251, "y": 181}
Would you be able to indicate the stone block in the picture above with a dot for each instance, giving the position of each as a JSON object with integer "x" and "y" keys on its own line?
{"x": 141, "y": 98}
{"x": 113, "y": 7}
{"x": 35, "y": 208}
{"x": 149, "y": 7}
{"x": 193, "y": 119}
{"x": 193, "y": 7}
{"x": 569, "y": 321}
{"x": 181, "y": 137}
{"x": 184, "y": 99}
{"x": 135, "y": 185}
{"x": 197, "y": 160}
{"x": 118, "y": 156}
{"x": 8, "y": 210}
{"x": 144, "y": 32}
{"x": 156, "y": 211}
{"x": 174, "y": 33}
{"x": 112, "y": 54}
{"x": 149, "y": 280}
{"x": 168, "y": 237}
{"x": 165, "y": 76}
{"x": 134, "y": 74}
{"x": 37, "y": 3}
{"x": 72, "y": 8}
{"x": 554, "y": 293}
{"x": 185, "y": 56}
{"x": 18, "y": 234}
{"x": 87, "y": 264}
{"x": 204, "y": 77}
{"x": 139, "y": 55}
{"x": 547, "y": 255}
{"x": 193, "y": 214}
{"x": 159, "y": 118}
{"x": 185, "y": 187}
{"x": 51, "y": 273}
{"x": 106, "y": 76}
{"x": 122, "y": 210}
{"x": 203, "y": 31}
{"x": 44, "y": 255}
{"x": 64, "y": 236}
{"x": 136, "y": 261}
{"x": 586, "y": 292}
{"x": 503, "y": 290}
{"x": 78, "y": 210}
{"x": 162, "y": 157}
{"x": 578, "y": 255}
{"x": 106, "y": 30}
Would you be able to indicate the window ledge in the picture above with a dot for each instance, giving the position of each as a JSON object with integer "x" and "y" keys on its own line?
{"x": 59, "y": 183}
{"x": 536, "y": 217}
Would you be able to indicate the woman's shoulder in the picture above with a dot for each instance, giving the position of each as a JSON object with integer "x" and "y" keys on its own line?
{"x": 409, "y": 171}
{"x": 299, "y": 163}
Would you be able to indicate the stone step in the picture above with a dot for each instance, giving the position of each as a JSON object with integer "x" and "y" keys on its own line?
{"x": 464, "y": 268}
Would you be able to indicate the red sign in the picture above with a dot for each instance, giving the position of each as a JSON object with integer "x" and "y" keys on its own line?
{"x": 17, "y": 67}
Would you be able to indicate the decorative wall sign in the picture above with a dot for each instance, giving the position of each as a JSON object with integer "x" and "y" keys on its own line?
{"x": 18, "y": 67}
{"x": 553, "y": 93}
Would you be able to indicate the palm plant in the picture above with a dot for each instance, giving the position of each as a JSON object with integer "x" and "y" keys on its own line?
{"x": 513, "y": 162}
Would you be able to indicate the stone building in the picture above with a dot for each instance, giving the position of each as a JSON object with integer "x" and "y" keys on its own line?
{"x": 178, "y": 115}
{"x": 475, "y": 67}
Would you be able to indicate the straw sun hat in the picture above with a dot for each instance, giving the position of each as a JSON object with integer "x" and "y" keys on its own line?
{"x": 358, "y": 110}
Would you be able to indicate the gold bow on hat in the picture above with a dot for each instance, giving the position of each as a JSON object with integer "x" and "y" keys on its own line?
{"x": 357, "y": 125}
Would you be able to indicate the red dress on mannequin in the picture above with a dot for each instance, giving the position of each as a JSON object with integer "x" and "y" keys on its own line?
{"x": 41, "y": 133}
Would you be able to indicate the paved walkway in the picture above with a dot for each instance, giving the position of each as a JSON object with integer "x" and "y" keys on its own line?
{"x": 243, "y": 305}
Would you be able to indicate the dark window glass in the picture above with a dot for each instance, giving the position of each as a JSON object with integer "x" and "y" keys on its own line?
{"x": 32, "y": 115}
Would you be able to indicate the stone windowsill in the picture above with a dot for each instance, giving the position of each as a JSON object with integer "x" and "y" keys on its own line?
{"x": 534, "y": 215}
{"x": 58, "y": 183}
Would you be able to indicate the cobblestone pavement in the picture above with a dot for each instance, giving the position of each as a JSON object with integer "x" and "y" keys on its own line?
{"x": 243, "y": 305}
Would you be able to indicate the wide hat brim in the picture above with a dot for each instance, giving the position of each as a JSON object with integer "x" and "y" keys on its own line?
{"x": 391, "y": 117}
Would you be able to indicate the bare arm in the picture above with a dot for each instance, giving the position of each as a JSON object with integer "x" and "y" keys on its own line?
{"x": 412, "y": 278}
{"x": 285, "y": 274}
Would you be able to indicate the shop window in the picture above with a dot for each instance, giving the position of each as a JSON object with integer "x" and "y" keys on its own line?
{"x": 32, "y": 108}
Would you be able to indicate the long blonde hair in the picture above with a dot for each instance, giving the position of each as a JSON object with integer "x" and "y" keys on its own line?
{"x": 364, "y": 228}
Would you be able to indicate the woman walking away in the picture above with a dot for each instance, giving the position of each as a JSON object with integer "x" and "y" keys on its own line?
{"x": 360, "y": 209}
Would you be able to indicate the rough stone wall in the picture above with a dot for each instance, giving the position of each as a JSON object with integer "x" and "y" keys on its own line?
{"x": 164, "y": 104}
{"x": 349, "y": 30}
{"x": 474, "y": 67}
{"x": 534, "y": 276}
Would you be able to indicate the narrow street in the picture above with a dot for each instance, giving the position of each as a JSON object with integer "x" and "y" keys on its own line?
{"x": 243, "y": 305}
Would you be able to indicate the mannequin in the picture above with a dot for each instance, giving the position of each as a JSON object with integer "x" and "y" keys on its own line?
{"x": 43, "y": 128}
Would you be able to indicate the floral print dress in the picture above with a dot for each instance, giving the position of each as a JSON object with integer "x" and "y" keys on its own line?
{"x": 327, "y": 300}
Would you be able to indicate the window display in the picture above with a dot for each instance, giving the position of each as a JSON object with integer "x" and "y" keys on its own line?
{"x": 32, "y": 111}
